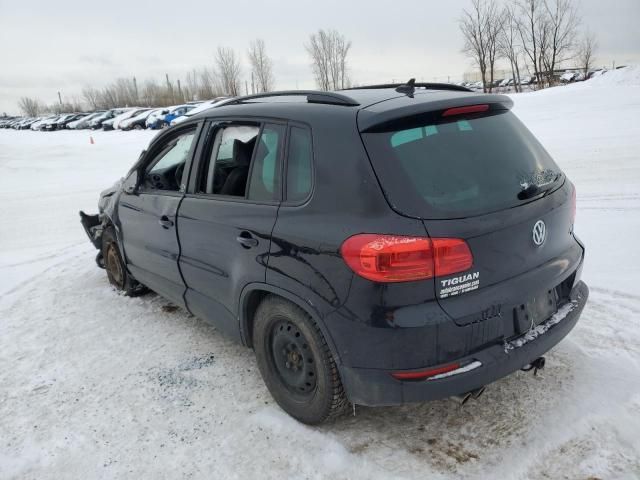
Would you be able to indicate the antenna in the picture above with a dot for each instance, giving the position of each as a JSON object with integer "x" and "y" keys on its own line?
{"x": 408, "y": 87}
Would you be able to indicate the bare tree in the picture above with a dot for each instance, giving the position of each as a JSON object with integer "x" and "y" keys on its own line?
{"x": 228, "y": 71}
{"x": 586, "y": 52}
{"x": 494, "y": 27}
{"x": 328, "y": 50}
{"x": 508, "y": 44}
{"x": 530, "y": 22}
{"x": 31, "y": 107}
{"x": 481, "y": 29}
{"x": 562, "y": 21}
{"x": 261, "y": 67}
{"x": 91, "y": 97}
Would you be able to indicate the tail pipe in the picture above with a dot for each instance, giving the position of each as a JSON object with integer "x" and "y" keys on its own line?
{"x": 465, "y": 397}
{"x": 537, "y": 364}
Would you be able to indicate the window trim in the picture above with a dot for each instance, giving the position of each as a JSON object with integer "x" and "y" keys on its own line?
{"x": 285, "y": 166}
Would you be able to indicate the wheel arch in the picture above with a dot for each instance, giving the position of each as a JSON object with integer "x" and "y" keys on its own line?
{"x": 251, "y": 296}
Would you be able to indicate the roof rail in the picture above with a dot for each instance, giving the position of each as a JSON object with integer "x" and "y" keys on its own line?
{"x": 313, "y": 96}
{"x": 414, "y": 84}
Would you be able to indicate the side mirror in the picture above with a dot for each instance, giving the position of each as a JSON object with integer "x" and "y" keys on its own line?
{"x": 131, "y": 183}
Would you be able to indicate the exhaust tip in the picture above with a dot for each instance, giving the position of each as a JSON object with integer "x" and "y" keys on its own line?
{"x": 462, "y": 399}
{"x": 477, "y": 393}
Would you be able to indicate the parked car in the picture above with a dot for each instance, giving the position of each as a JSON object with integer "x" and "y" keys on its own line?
{"x": 6, "y": 122}
{"x": 156, "y": 119}
{"x": 453, "y": 265}
{"x": 40, "y": 123}
{"x": 138, "y": 122}
{"x": 113, "y": 122}
{"x": 199, "y": 108}
{"x": 84, "y": 121}
{"x": 62, "y": 123}
{"x": 117, "y": 121}
{"x": 97, "y": 122}
{"x": 164, "y": 119}
{"x": 569, "y": 77}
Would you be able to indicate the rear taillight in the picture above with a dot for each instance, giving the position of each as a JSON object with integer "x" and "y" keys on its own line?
{"x": 390, "y": 258}
{"x": 423, "y": 374}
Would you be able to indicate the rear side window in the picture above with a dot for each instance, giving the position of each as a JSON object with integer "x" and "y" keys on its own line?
{"x": 263, "y": 184}
{"x": 230, "y": 160}
{"x": 461, "y": 167}
{"x": 299, "y": 160}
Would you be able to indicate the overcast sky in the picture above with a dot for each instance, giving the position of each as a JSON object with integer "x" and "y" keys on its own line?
{"x": 47, "y": 46}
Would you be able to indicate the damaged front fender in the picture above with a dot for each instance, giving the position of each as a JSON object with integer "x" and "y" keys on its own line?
{"x": 94, "y": 225}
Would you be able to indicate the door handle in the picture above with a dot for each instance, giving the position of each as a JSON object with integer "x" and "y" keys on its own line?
{"x": 165, "y": 222}
{"x": 246, "y": 240}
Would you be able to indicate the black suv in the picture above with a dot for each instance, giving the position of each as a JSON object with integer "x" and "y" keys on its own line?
{"x": 375, "y": 246}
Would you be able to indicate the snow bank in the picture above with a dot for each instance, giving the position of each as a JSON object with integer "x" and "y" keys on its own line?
{"x": 627, "y": 76}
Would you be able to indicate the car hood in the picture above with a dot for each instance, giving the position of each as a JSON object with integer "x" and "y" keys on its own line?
{"x": 108, "y": 197}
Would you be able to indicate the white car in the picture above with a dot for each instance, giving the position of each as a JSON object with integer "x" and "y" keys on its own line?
{"x": 117, "y": 121}
{"x": 42, "y": 121}
{"x": 84, "y": 121}
{"x": 138, "y": 122}
{"x": 206, "y": 105}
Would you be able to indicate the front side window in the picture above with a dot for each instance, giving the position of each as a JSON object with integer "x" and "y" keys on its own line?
{"x": 165, "y": 170}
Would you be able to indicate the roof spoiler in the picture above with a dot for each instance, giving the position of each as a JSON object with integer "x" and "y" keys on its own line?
{"x": 402, "y": 110}
{"x": 410, "y": 87}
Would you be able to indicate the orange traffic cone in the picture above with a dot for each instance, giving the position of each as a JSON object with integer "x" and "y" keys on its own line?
{"x": 91, "y": 140}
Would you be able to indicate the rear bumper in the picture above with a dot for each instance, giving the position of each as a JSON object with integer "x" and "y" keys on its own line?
{"x": 376, "y": 387}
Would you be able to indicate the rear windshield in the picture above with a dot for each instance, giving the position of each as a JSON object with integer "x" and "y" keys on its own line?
{"x": 461, "y": 167}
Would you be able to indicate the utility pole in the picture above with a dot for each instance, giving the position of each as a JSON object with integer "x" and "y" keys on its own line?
{"x": 135, "y": 88}
{"x": 253, "y": 85}
{"x": 246, "y": 87}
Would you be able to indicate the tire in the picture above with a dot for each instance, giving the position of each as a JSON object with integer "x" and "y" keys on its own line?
{"x": 116, "y": 269}
{"x": 296, "y": 362}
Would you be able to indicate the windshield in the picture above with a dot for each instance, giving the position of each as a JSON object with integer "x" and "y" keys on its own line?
{"x": 462, "y": 167}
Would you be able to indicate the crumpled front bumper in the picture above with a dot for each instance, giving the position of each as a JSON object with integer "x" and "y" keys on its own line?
{"x": 376, "y": 387}
{"x": 92, "y": 225}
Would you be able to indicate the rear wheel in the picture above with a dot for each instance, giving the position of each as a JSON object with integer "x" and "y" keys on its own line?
{"x": 296, "y": 363}
{"x": 117, "y": 272}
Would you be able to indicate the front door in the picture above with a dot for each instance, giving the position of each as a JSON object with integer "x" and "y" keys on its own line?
{"x": 148, "y": 216}
{"x": 227, "y": 218}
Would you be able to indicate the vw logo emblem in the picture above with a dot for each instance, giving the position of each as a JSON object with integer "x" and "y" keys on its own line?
{"x": 539, "y": 232}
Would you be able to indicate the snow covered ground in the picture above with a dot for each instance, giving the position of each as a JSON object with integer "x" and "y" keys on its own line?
{"x": 93, "y": 384}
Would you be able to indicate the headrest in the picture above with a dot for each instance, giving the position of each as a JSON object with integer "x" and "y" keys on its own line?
{"x": 242, "y": 152}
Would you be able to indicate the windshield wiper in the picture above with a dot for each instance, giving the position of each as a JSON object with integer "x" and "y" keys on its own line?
{"x": 534, "y": 190}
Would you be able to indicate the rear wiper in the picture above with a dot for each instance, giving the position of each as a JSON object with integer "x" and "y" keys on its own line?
{"x": 534, "y": 190}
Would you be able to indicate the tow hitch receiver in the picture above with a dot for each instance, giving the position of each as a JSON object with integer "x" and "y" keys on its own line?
{"x": 537, "y": 364}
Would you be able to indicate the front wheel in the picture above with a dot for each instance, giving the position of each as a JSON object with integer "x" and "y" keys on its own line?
{"x": 296, "y": 363}
{"x": 114, "y": 264}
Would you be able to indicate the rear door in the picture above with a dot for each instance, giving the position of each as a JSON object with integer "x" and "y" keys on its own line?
{"x": 480, "y": 175}
{"x": 226, "y": 219}
{"x": 148, "y": 217}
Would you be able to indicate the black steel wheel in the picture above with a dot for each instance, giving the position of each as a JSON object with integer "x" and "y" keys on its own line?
{"x": 296, "y": 363}
{"x": 117, "y": 272}
{"x": 292, "y": 357}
